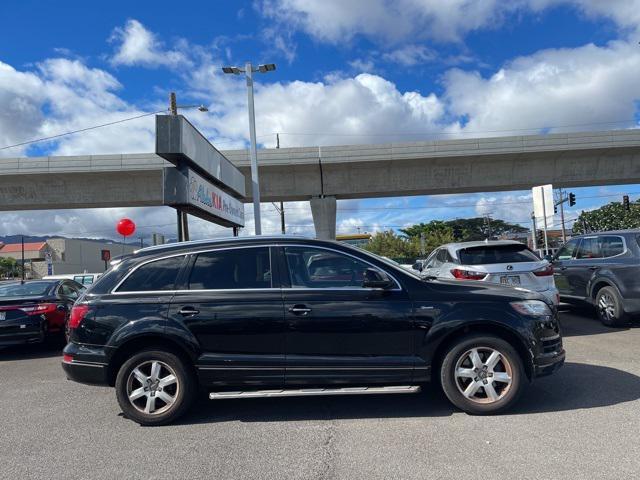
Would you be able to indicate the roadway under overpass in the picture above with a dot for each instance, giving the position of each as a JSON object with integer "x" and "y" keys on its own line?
{"x": 324, "y": 174}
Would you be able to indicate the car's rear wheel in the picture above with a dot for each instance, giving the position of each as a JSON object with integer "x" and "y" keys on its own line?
{"x": 155, "y": 387}
{"x": 482, "y": 374}
{"x": 609, "y": 307}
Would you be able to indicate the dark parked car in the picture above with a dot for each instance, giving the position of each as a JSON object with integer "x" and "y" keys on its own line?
{"x": 286, "y": 316}
{"x": 31, "y": 311}
{"x": 602, "y": 269}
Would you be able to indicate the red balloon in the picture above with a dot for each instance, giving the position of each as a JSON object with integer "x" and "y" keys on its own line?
{"x": 126, "y": 227}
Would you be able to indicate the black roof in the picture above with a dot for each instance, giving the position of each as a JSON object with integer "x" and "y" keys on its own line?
{"x": 227, "y": 241}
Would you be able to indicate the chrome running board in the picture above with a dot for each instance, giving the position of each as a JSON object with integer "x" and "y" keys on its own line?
{"x": 310, "y": 392}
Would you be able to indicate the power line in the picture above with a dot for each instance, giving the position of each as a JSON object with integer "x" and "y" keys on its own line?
{"x": 44, "y": 139}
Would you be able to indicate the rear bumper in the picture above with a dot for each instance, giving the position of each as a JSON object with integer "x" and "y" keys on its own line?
{"x": 81, "y": 365}
{"x": 23, "y": 331}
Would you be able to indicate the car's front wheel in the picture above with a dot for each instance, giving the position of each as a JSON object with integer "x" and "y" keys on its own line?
{"x": 482, "y": 374}
{"x": 609, "y": 307}
{"x": 154, "y": 387}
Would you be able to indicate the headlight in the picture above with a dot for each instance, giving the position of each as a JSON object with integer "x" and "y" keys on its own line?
{"x": 532, "y": 308}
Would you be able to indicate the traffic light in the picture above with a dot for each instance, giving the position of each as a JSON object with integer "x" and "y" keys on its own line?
{"x": 625, "y": 202}
{"x": 555, "y": 209}
{"x": 572, "y": 199}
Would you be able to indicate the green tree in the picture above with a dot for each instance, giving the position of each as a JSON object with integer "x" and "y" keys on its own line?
{"x": 389, "y": 244}
{"x": 463, "y": 229}
{"x": 9, "y": 267}
{"x": 612, "y": 216}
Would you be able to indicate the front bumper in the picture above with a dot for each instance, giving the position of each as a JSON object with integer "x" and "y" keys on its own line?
{"x": 544, "y": 366}
{"x": 84, "y": 365}
{"x": 22, "y": 331}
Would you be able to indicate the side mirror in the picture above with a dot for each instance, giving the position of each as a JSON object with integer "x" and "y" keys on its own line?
{"x": 548, "y": 257}
{"x": 374, "y": 278}
{"x": 417, "y": 266}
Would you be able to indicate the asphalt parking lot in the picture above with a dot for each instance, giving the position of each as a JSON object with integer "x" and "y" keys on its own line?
{"x": 582, "y": 422}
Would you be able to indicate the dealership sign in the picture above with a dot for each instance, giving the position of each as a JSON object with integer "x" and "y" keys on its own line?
{"x": 198, "y": 196}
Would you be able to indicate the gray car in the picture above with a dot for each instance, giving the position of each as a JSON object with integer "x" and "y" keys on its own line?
{"x": 602, "y": 269}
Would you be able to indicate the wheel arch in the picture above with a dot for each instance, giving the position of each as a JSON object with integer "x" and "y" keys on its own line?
{"x": 599, "y": 284}
{"x": 146, "y": 342}
{"x": 487, "y": 329}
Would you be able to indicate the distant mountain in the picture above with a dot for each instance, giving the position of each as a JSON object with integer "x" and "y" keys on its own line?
{"x": 29, "y": 238}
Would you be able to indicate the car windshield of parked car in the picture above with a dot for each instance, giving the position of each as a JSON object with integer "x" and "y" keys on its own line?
{"x": 28, "y": 289}
{"x": 489, "y": 254}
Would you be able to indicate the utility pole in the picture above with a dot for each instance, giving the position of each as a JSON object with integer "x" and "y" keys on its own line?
{"x": 282, "y": 224}
{"x": 182, "y": 220}
{"x": 22, "y": 241}
{"x": 564, "y": 232}
{"x": 534, "y": 232}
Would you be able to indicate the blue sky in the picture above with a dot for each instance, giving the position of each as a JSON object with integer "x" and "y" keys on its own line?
{"x": 359, "y": 71}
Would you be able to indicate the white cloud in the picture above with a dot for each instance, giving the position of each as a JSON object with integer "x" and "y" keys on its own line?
{"x": 551, "y": 88}
{"x": 391, "y": 22}
{"x": 410, "y": 55}
{"x": 138, "y": 46}
{"x": 337, "y": 21}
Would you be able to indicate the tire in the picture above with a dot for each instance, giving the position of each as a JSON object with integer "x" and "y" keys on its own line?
{"x": 610, "y": 309}
{"x": 479, "y": 400}
{"x": 159, "y": 398}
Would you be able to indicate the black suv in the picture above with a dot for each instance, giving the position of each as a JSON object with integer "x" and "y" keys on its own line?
{"x": 286, "y": 316}
{"x": 602, "y": 269}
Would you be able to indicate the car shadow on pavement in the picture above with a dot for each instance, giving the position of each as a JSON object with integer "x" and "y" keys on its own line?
{"x": 579, "y": 386}
{"x": 51, "y": 348}
{"x": 576, "y": 386}
{"x": 579, "y": 321}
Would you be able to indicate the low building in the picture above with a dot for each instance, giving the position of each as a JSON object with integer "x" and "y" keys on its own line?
{"x": 65, "y": 255}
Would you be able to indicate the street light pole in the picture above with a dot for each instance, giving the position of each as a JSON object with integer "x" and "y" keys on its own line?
{"x": 248, "y": 71}
{"x": 253, "y": 152}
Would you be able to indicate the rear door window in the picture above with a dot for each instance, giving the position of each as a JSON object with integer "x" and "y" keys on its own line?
{"x": 234, "y": 269}
{"x": 611, "y": 246}
{"x": 589, "y": 248}
{"x": 158, "y": 275}
{"x": 490, "y": 254}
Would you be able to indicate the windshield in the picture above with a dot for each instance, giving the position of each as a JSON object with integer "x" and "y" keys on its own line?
{"x": 487, "y": 255}
{"x": 29, "y": 289}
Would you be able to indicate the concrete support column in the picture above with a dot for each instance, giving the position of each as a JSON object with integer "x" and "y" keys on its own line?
{"x": 323, "y": 210}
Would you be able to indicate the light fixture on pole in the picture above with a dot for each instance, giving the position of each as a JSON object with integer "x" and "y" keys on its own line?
{"x": 249, "y": 70}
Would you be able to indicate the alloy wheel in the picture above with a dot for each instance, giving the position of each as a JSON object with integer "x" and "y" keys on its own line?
{"x": 607, "y": 307}
{"x": 152, "y": 387}
{"x": 483, "y": 375}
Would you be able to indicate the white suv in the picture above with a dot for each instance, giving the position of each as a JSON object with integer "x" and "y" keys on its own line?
{"x": 504, "y": 262}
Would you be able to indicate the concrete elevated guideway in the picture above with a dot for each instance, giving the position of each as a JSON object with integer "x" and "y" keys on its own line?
{"x": 325, "y": 174}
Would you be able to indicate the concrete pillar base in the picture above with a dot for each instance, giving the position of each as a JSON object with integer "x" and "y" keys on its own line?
{"x": 323, "y": 210}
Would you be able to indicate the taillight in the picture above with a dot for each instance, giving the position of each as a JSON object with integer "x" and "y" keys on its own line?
{"x": 544, "y": 271}
{"x": 66, "y": 358}
{"x": 78, "y": 313}
{"x": 39, "y": 309}
{"x": 467, "y": 274}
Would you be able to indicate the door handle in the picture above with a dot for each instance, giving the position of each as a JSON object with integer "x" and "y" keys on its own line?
{"x": 593, "y": 267}
{"x": 188, "y": 311}
{"x": 563, "y": 268}
{"x": 299, "y": 310}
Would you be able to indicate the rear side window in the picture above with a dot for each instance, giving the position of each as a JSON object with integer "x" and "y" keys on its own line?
{"x": 611, "y": 246}
{"x": 153, "y": 276}
{"x": 589, "y": 248}
{"x": 496, "y": 254}
{"x": 234, "y": 269}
